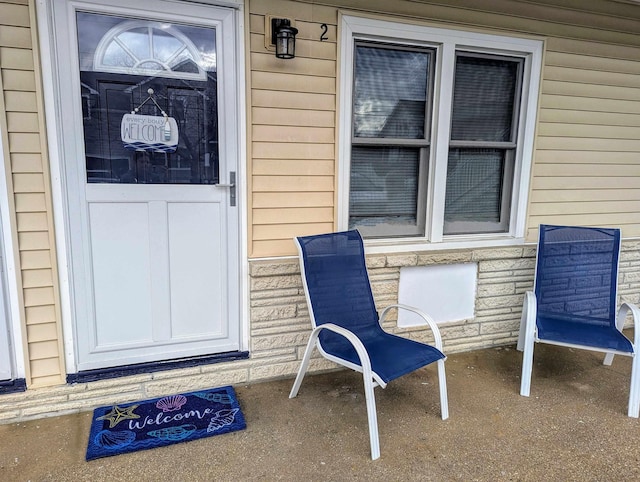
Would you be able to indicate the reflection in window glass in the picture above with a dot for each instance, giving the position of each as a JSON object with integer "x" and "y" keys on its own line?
{"x": 184, "y": 63}
{"x": 120, "y": 60}
{"x": 390, "y": 144}
{"x": 384, "y": 186}
{"x": 166, "y": 46}
{"x": 484, "y": 99}
{"x": 116, "y": 55}
{"x": 137, "y": 41}
{"x": 474, "y": 185}
{"x": 390, "y": 93}
{"x": 483, "y": 127}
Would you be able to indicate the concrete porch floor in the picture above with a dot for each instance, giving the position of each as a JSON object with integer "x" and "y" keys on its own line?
{"x": 573, "y": 427}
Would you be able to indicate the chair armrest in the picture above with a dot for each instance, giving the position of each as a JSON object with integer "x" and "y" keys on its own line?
{"x": 528, "y": 320}
{"x": 352, "y": 338}
{"x": 428, "y": 320}
{"x": 623, "y": 311}
{"x": 530, "y": 303}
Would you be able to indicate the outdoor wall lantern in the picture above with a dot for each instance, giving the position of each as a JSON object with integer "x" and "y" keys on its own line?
{"x": 283, "y": 35}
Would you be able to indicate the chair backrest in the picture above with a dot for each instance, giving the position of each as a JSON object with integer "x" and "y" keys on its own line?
{"x": 336, "y": 280}
{"x": 577, "y": 273}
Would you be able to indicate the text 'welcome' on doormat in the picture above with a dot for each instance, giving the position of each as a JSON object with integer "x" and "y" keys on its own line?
{"x": 163, "y": 421}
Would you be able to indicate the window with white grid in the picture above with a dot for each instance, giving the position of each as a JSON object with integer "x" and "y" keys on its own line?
{"x": 436, "y": 132}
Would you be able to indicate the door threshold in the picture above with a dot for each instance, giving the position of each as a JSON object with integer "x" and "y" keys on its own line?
{"x": 150, "y": 367}
{"x": 13, "y": 386}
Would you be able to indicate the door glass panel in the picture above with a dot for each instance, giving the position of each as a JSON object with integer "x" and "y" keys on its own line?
{"x": 166, "y": 46}
{"x": 136, "y": 40}
{"x": 155, "y": 73}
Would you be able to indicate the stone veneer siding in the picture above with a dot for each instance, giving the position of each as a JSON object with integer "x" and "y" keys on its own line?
{"x": 280, "y": 327}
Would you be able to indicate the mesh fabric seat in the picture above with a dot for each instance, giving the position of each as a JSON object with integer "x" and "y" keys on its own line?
{"x": 346, "y": 325}
{"x": 574, "y": 300}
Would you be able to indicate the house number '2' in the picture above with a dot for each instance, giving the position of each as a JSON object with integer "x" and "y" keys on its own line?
{"x": 325, "y": 29}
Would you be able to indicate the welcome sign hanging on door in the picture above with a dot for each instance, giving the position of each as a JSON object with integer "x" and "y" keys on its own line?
{"x": 148, "y": 132}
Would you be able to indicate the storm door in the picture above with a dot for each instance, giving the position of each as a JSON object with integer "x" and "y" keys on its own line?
{"x": 152, "y": 206}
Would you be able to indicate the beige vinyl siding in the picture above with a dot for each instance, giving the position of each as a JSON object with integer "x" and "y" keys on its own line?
{"x": 588, "y": 132}
{"x": 22, "y": 118}
{"x": 587, "y": 167}
{"x": 292, "y": 130}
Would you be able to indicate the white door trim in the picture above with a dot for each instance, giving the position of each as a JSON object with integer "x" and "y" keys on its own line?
{"x": 44, "y": 17}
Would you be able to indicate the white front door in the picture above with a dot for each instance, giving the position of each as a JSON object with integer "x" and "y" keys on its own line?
{"x": 153, "y": 230}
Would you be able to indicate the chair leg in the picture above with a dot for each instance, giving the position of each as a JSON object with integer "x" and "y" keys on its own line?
{"x": 527, "y": 367}
{"x": 527, "y": 359}
{"x": 526, "y": 341}
{"x": 442, "y": 383}
{"x": 372, "y": 416}
{"x": 305, "y": 363}
{"x": 608, "y": 359}
{"x": 634, "y": 389}
{"x": 523, "y": 330}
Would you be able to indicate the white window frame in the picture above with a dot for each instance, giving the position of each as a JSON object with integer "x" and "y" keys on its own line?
{"x": 446, "y": 42}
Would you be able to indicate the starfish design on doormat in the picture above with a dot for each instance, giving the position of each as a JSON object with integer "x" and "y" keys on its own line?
{"x": 117, "y": 415}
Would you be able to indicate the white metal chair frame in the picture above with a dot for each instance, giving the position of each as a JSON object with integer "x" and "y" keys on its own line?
{"x": 371, "y": 378}
{"x": 528, "y": 336}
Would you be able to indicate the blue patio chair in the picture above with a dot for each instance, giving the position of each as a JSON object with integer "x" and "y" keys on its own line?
{"x": 346, "y": 326}
{"x": 574, "y": 301}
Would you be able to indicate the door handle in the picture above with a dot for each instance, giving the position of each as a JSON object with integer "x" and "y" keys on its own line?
{"x": 232, "y": 187}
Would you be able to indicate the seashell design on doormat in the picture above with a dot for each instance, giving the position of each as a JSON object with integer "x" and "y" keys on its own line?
{"x": 215, "y": 397}
{"x": 171, "y": 403}
{"x": 173, "y": 433}
{"x": 114, "y": 440}
{"x": 222, "y": 418}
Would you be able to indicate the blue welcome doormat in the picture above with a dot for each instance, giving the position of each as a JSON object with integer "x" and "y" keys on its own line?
{"x": 119, "y": 429}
